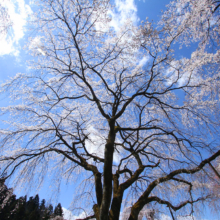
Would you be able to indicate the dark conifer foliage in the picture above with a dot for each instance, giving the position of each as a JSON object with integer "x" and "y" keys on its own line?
{"x": 58, "y": 210}
{"x": 21, "y": 208}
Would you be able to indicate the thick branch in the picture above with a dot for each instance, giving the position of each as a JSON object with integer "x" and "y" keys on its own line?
{"x": 175, "y": 208}
{"x": 107, "y": 173}
{"x": 144, "y": 199}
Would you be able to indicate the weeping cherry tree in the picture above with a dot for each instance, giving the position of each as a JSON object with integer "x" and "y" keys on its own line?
{"x": 124, "y": 110}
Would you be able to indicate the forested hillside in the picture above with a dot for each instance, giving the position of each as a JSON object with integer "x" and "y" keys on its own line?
{"x": 25, "y": 209}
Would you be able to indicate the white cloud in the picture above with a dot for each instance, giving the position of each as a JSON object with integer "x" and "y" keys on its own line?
{"x": 36, "y": 45}
{"x": 96, "y": 145}
{"x": 18, "y": 11}
{"x": 68, "y": 215}
{"x": 143, "y": 61}
{"x": 124, "y": 10}
{"x": 180, "y": 78}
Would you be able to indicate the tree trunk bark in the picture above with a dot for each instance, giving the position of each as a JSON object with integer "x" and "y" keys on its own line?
{"x": 116, "y": 207}
{"x": 117, "y": 199}
{"x": 96, "y": 211}
{"x": 107, "y": 174}
{"x": 98, "y": 188}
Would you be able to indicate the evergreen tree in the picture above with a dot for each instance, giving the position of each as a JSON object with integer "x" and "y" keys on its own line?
{"x": 20, "y": 208}
{"x": 43, "y": 209}
{"x": 48, "y": 213}
{"x": 50, "y": 209}
{"x": 42, "y": 205}
{"x": 36, "y": 201}
{"x": 58, "y": 210}
{"x": 32, "y": 209}
{"x": 9, "y": 211}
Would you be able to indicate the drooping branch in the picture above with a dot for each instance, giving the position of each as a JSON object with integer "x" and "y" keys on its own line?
{"x": 144, "y": 199}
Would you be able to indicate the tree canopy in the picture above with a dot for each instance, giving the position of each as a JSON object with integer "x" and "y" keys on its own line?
{"x": 5, "y": 21}
{"x": 123, "y": 109}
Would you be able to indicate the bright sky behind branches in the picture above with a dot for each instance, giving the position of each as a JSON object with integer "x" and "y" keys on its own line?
{"x": 14, "y": 56}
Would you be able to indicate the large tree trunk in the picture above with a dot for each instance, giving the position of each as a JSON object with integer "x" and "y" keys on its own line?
{"x": 114, "y": 213}
{"x": 107, "y": 174}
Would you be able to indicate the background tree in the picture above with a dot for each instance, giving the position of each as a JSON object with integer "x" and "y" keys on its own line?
{"x": 7, "y": 200}
{"x": 58, "y": 210}
{"x": 16, "y": 209}
{"x": 33, "y": 208}
{"x": 42, "y": 208}
{"x": 20, "y": 209}
{"x": 120, "y": 107}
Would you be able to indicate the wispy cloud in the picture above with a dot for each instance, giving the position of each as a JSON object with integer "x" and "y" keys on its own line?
{"x": 96, "y": 145}
{"x": 143, "y": 61}
{"x": 124, "y": 10}
{"x": 18, "y": 11}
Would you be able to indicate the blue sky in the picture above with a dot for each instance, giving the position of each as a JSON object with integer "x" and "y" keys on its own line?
{"x": 13, "y": 56}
